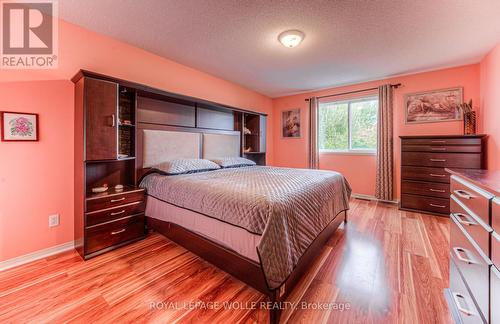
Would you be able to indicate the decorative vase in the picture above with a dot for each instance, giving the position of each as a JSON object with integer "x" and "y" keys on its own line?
{"x": 470, "y": 123}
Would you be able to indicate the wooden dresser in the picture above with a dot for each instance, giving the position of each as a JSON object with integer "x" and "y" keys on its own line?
{"x": 474, "y": 292}
{"x": 424, "y": 182}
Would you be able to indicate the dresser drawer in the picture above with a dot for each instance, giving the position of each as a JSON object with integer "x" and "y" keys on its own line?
{"x": 441, "y": 141}
{"x": 441, "y": 148}
{"x": 495, "y": 214}
{"x": 449, "y": 160}
{"x": 106, "y": 215}
{"x": 472, "y": 265}
{"x": 425, "y": 174}
{"x": 110, "y": 201}
{"x": 461, "y": 298}
{"x": 495, "y": 295}
{"x": 475, "y": 199}
{"x": 495, "y": 248}
{"x": 430, "y": 204}
{"x": 433, "y": 189}
{"x": 471, "y": 225}
{"x": 99, "y": 237}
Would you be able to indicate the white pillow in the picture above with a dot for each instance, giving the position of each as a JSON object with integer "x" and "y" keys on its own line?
{"x": 183, "y": 166}
{"x": 233, "y": 162}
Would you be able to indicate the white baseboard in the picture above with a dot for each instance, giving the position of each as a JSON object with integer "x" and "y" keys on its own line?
{"x": 37, "y": 255}
{"x": 368, "y": 197}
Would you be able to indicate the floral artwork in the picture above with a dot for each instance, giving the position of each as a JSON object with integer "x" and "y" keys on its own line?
{"x": 290, "y": 123}
{"x": 434, "y": 106}
{"x": 19, "y": 126}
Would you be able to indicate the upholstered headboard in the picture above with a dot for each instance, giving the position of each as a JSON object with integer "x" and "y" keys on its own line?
{"x": 221, "y": 145}
{"x": 160, "y": 146}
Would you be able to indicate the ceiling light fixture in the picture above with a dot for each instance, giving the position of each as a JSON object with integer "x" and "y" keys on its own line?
{"x": 291, "y": 38}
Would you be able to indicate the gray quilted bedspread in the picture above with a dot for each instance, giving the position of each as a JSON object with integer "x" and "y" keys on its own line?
{"x": 287, "y": 207}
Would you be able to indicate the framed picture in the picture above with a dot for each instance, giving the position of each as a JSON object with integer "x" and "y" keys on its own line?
{"x": 18, "y": 126}
{"x": 290, "y": 123}
{"x": 433, "y": 106}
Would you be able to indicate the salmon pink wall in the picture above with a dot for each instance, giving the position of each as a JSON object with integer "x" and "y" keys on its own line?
{"x": 360, "y": 169}
{"x": 490, "y": 105}
{"x": 36, "y": 178}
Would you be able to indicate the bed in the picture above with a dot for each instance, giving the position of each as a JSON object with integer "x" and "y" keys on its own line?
{"x": 261, "y": 224}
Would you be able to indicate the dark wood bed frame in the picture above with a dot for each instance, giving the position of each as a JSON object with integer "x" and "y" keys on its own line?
{"x": 242, "y": 268}
{"x": 166, "y": 115}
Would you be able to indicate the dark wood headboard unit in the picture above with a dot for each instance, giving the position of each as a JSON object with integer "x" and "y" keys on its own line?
{"x": 110, "y": 116}
{"x": 159, "y": 109}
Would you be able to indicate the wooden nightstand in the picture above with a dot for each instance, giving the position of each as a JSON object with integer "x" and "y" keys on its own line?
{"x": 113, "y": 219}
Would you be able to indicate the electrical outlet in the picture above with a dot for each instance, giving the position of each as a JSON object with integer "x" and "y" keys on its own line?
{"x": 53, "y": 220}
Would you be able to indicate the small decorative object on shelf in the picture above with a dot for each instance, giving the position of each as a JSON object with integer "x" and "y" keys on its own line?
{"x": 469, "y": 118}
{"x": 100, "y": 189}
{"x": 248, "y": 149}
{"x": 119, "y": 187}
{"x": 246, "y": 131}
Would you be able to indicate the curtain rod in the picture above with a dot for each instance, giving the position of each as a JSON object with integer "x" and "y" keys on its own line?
{"x": 397, "y": 85}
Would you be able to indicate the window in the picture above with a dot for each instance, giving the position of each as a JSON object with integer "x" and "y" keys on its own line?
{"x": 348, "y": 126}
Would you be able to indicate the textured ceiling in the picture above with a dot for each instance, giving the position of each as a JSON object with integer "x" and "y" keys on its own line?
{"x": 346, "y": 41}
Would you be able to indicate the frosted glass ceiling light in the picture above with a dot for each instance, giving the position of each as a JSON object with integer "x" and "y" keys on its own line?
{"x": 291, "y": 38}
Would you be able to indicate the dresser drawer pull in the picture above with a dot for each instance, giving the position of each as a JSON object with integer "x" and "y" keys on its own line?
{"x": 437, "y": 175}
{"x": 438, "y": 141}
{"x": 463, "y": 194}
{"x": 117, "y": 213}
{"x": 437, "y": 160}
{"x": 459, "y": 252}
{"x": 438, "y": 148}
{"x": 465, "y": 310}
{"x": 464, "y": 219}
{"x": 117, "y": 200}
{"x": 437, "y": 190}
{"x": 439, "y": 206}
{"x": 118, "y": 232}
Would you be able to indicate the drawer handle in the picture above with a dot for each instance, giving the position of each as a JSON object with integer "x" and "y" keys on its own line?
{"x": 468, "y": 220}
{"x": 459, "y": 251}
{"x": 118, "y": 232}
{"x": 117, "y": 213}
{"x": 117, "y": 200}
{"x": 437, "y": 175}
{"x": 439, "y": 206}
{"x": 438, "y": 148}
{"x": 437, "y": 160}
{"x": 465, "y": 310}
{"x": 463, "y": 194}
{"x": 438, "y": 141}
{"x": 437, "y": 190}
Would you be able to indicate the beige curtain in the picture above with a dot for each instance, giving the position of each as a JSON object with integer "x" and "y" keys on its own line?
{"x": 313, "y": 134}
{"x": 385, "y": 154}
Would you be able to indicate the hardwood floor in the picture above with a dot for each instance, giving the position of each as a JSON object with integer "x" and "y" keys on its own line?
{"x": 385, "y": 266}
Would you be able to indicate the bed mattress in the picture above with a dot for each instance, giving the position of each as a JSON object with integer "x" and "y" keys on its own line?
{"x": 287, "y": 208}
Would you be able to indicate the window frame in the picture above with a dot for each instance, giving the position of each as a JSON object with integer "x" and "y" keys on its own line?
{"x": 350, "y": 151}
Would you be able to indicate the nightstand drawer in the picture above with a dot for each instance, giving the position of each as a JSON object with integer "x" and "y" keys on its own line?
{"x": 476, "y": 200}
{"x": 105, "y": 235}
{"x": 444, "y": 160}
{"x": 110, "y": 201}
{"x": 106, "y": 215}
